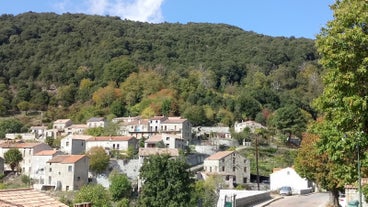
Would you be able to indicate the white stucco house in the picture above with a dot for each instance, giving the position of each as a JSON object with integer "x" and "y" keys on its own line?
{"x": 74, "y": 144}
{"x": 95, "y": 122}
{"x": 289, "y": 177}
{"x": 38, "y": 166}
{"x": 28, "y": 149}
{"x": 67, "y": 172}
{"x": 167, "y": 140}
{"x": 121, "y": 143}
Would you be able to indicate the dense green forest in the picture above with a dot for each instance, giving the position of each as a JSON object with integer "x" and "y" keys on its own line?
{"x": 78, "y": 66}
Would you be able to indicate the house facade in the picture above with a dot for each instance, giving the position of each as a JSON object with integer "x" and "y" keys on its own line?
{"x": 233, "y": 167}
{"x": 165, "y": 140}
{"x": 289, "y": 177}
{"x": 67, "y": 172}
{"x": 38, "y": 166}
{"x": 139, "y": 128}
{"x": 95, "y": 122}
{"x": 74, "y": 144}
{"x": 112, "y": 142}
{"x": 27, "y": 150}
{"x": 62, "y": 124}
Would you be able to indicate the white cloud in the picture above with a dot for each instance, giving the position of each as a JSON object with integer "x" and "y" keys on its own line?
{"x": 138, "y": 10}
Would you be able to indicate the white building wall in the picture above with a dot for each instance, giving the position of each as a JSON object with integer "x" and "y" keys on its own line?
{"x": 287, "y": 177}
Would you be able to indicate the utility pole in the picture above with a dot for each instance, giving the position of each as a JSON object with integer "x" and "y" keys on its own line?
{"x": 257, "y": 168}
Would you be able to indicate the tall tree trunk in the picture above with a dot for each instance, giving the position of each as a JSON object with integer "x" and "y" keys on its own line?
{"x": 334, "y": 197}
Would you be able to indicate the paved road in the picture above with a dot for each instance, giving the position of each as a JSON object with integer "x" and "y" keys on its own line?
{"x": 310, "y": 200}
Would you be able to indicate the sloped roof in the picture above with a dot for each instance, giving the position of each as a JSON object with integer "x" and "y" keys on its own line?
{"x": 110, "y": 138}
{"x": 219, "y": 155}
{"x": 96, "y": 119}
{"x": 154, "y": 139}
{"x": 20, "y": 144}
{"x": 27, "y": 198}
{"x": 46, "y": 152}
{"x": 66, "y": 159}
{"x": 145, "y": 152}
{"x": 174, "y": 120}
{"x": 61, "y": 121}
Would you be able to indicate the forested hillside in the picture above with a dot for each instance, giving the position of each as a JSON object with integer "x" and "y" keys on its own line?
{"x": 78, "y": 66}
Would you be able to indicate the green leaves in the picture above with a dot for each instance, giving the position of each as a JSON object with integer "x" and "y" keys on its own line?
{"x": 13, "y": 157}
{"x": 166, "y": 182}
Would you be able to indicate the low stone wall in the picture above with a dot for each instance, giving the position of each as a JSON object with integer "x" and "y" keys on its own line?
{"x": 244, "y": 198}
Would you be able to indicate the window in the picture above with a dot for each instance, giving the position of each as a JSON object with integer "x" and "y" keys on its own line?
{"x": 67, "y": 144}
{"x": 78, "y": 178}
{"x": 223, "y": 168}
{"x": 233, "y": 169}
{"x": 245, "y": 161}
{"x": 227, "y": 177}
{"x": 50, "y": 169}
{"x": 117, "y": 146}
{"x": 70, "y": 168}
{"x": 113, "y": 146}
{"x": 210, "y": 169}
{"x": 67, "y": 188}
{"x": 233, "y": 160}
{"x": 245, "y": 169}
{"x": 245, "y": 180}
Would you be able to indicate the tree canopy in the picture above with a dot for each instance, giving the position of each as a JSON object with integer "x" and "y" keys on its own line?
{"x": 13, "y": 157}
{"x": 343, "y": 103}
{"x": 166, "y": 182}
{"x": 98, "y": 159}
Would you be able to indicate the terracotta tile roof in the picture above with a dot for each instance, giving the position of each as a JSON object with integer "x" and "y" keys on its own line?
{"x": 20, "y": 144}
{"x": 61, "y": 121}
{"x": 27, "y": 198}
{"x": 145, "y": 152}
{"x": 96, "y": 119}
{"x": 154, "y": 139}
{"x": 110, "y": 138}
{"x": 65, "y": 159}
{"x": 219, "y": 155}
{"x": 174, "y": 120}
{"x": 76, "y": 126}
{"x": 157, "y": 118}
{"x": 80, "y": 136}
{"x": 46, "y": 152}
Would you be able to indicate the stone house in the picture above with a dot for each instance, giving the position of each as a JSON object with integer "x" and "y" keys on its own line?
{"x": 67, "y": 172}
{"x": 232, "y": 166}
{"x": 28, "y": 149}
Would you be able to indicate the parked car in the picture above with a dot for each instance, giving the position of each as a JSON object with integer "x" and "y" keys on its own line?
{"x": 342, "y": 200}
{"x": 285, "y": 191}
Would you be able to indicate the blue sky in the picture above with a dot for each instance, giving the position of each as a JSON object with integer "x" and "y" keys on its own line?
{"x": 298, "y": 18}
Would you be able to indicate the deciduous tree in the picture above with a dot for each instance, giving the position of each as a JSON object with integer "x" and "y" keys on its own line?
{"x": 166, "y": 182}
{"x": 94, "y": 193}
{"x": 99, "y": 159}
{"x": 120, "y": 186}
{"x": 342, "y": 45}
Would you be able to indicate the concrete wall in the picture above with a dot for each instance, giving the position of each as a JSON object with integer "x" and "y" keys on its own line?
{"x": 243, "y": 197}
